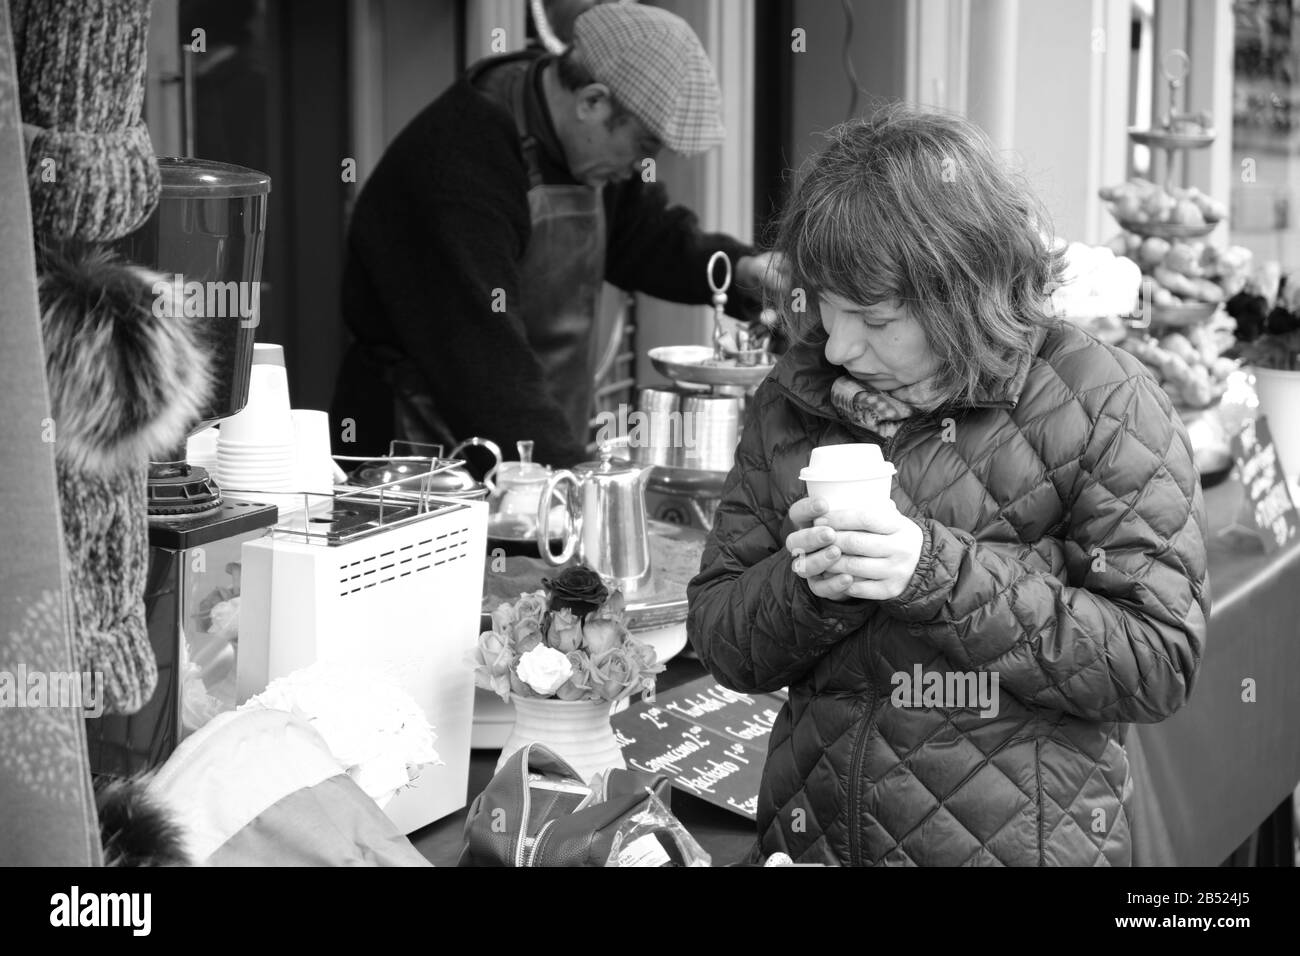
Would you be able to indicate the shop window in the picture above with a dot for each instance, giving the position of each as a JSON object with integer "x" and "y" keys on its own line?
{"x": 1266, "y": 128}
{"x": 1141, "y": 73}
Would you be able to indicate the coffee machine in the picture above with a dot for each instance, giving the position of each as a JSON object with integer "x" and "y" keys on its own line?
{"x": 206, "y": 238}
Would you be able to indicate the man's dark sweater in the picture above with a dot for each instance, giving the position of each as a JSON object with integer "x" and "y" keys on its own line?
{"x": 441, "y": 224}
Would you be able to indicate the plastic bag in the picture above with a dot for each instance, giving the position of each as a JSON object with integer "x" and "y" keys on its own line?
{"x": 654, "y": 837}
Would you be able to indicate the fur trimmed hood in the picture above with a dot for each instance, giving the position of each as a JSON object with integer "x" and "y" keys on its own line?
{"x": 134, "y": 827}
{"x": 126, "y": 380}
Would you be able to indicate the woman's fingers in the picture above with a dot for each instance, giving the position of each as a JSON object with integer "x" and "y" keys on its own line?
{"x": 872, "y": 590}
{"x": 816, "y": 563}
{"x": 866, "y": 569}
{"x": 807, "y": 510}
{"x": 864, "y": 544}
{"x": 809, "y": 540}
{"x": 885, "y": 519}
{"x": 834, "y": 587}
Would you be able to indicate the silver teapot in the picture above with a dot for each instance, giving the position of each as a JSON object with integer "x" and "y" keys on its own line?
{"x": 605, "y": 520}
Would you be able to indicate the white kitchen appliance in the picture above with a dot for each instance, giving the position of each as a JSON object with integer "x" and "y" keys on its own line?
{"x": 381, "y": 578}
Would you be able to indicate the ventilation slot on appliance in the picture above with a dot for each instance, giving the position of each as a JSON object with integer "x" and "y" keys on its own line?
{"x": 402, "y": 563}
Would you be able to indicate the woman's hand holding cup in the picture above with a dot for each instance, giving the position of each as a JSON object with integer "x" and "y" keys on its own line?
{"x": 854, "y": 542}
{"x": 815, "y": 552}
{"x": 879, "y": 550}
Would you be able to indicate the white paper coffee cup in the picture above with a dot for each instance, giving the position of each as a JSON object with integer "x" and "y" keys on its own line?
{"x": 852, "y": 477}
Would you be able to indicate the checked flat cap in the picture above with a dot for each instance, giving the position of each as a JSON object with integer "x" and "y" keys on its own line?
{"x": 654, "y": 65}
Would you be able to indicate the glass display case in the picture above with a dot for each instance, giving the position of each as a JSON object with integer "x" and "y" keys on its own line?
{"x": 192, "y": 610}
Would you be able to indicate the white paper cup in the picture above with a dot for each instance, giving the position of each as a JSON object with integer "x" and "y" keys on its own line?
{"x": 270, "y": 462}
{"x": 272, "y": 473}
{"x": 284, "y": 466}
{"x": 202, "y": 444}
{"x": 266, "y": 419}
{"x": 311, "y": 450}
{"x": 233, "y": 445}
{"x": 284, "y": 473}
{"x": 867, "y": 494}
{"x": 268, "y": 353}
{"x": 852, "y": 477}
{"x": 267, "y": 471}
{"x": 263, "y": 453}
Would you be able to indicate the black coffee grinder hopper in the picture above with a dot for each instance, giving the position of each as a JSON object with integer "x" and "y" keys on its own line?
{"x": 206, "y": 240}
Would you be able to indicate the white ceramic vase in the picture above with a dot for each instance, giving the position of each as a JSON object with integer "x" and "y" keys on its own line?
{"x": 577, "y": 730}
{"x": 1279, "y": 401}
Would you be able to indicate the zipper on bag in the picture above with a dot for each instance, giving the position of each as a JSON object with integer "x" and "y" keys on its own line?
{"x": 536, "y": 844}
{"x": 523, "y": 843}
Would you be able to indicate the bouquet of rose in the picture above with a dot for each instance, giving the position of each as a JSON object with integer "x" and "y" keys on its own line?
{"x": 567, "y": 641}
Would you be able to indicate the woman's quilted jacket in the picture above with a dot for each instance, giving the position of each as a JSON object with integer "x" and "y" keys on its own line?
{"x": 1063, "y": 551}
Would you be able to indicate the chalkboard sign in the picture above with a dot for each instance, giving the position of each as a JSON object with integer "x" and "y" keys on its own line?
{"x": 710, "y": 741}
{"x": 1268, "y": 510}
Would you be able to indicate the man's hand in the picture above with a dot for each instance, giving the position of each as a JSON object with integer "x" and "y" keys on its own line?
{"x": 879, "y": 550}
{"x": 814, "y": 551}
{"x": 766, "y": 272}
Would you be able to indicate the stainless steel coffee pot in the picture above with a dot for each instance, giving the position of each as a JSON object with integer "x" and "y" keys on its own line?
{"x": 605, "y": 522}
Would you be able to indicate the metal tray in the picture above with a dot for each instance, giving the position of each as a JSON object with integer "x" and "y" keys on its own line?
{"x": 672, "y": 479}
{"x": 1164, "y": 139}
{"x": 1166, "y": 230}
{"x": 686, "y": 363}
{"x": 1182, "y": 316}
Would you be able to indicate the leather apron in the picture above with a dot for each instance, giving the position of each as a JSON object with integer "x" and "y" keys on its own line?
{"x": 560, "y": 282}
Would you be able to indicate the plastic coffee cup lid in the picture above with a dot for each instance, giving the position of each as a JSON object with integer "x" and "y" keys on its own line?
{"x": 852, "y": 462}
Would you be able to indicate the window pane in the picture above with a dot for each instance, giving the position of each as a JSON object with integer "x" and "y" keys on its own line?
{"x": 1266, "y": 129}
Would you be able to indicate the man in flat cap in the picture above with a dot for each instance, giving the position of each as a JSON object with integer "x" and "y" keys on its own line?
{"x": 479, "y": 244}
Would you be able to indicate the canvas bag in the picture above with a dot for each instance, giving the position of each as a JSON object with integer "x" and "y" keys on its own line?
{"x": 513, "y": 823}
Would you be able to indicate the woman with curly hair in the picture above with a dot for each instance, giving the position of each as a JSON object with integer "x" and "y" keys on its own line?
{"x": 1045, "y": 542}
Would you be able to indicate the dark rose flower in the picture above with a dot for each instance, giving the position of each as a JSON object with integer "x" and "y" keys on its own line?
{"x": 579, "y": 589}
{"x": 1280, "y": 321}
{"x": 1250, "y": 312}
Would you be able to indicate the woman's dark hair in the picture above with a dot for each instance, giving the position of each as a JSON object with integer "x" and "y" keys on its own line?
{"x": 574, "y": 75}
{"x": 914, "y": 206}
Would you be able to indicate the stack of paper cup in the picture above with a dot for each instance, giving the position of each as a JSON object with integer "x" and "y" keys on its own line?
{"x": 849, "y": 477}
{"x": 255, "y": 451}
{"x": 313, "y": 466}
{"x": 201, "y": 449}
